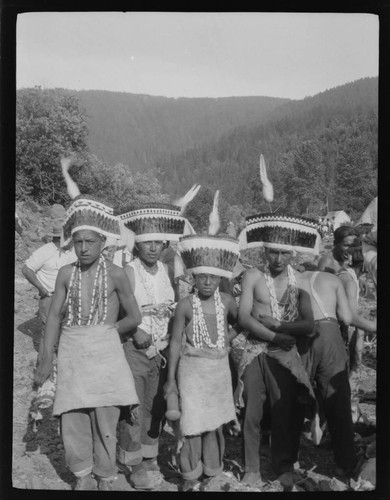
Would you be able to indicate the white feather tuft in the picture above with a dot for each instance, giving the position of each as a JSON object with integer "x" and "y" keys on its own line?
{"x": 187, "y": 198}
{"x": 214, "y": 217}
{"x": 268, "y": 190}
{"x": 72, "y": 187}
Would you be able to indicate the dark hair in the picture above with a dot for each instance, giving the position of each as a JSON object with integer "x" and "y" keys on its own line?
{"x": 343, "y": 232}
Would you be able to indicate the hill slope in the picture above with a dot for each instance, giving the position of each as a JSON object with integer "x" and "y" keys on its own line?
{"x": 139, "y": 129}
{"x": 331, "y": 137}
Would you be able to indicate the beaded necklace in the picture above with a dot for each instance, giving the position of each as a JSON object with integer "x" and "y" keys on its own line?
{"x": 201, "y": 334}
{"x": 98, "y": 310}
{"x": 288, "y": 311}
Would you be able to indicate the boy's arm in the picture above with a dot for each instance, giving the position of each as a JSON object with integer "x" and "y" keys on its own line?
{"x": 52, "y": 328}
{"x": 179, "y": 322}
{"x": 232, "y": 315}
{"x": 127, "y": 300}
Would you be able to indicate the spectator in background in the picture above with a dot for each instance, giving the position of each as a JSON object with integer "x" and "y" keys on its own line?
{"x": 41, "y": 270}
{"x": 344, "y": 236}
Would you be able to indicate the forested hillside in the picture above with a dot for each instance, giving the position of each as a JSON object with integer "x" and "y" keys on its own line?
{"x": 320, "y": 152}
{"x": 138, "y": 129}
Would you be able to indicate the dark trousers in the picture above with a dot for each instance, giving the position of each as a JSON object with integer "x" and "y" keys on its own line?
{"x": 326, "y": 360}
{"x": 139, "y": 434}
{"x": 264, "y": 375}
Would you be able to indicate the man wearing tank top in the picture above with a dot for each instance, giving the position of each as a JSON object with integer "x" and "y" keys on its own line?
{"x": 326, "y": 360}
{"x": 146, "y": 351}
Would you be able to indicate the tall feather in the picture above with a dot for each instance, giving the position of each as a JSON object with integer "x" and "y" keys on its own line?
{"x": 71, "y": 186}
{"x": 187, "y": 198}
{"x": 214, "y": 217}
{"x": 268, "y": 190}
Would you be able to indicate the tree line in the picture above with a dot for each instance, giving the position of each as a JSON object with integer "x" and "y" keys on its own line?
{"x": 321, "y": 153}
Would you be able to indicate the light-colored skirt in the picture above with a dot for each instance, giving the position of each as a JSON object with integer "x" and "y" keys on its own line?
{"x": 205, "y": 390}
{"x": 92, "y": 370}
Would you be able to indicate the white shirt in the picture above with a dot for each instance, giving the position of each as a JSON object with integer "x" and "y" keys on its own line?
{"x": 152, "y": 289}
{"x": 46, "y": 262}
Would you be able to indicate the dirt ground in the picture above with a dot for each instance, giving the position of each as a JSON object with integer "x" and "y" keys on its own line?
{"x": 38, "y": 453}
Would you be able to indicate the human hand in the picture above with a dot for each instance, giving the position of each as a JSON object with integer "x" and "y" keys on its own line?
{"x": 43, "y": 371}
{"x": 269, "y": 322}
{"x": 169, "y": 387}
{"x": 141, "y": 339}
{"x": 44, "y": 293}
{"x": 284, "y": 341}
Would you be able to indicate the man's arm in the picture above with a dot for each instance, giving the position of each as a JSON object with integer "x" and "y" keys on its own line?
{"x": 52, "y": 328}
{"x": 245, "y": 319}
{"x": 343, "y": 309}
{"x": 350, "y": 288}
{"x": 179, "y": 321}
{"x": 127, "y": 300}
{"x": 31, "y": 276}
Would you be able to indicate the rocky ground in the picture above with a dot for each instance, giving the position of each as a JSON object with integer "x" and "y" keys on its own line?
{"x": 38, "y": 454}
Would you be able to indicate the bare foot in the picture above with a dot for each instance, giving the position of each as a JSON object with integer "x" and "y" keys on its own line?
{"x": 250, "y": 478}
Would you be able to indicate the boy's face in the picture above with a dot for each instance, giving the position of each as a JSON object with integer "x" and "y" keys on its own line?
{"x": 87, "y": 245}
{"x": 278, "y": 259}
{"x": 207, "y": 283}
{"x": 149, "y": 251}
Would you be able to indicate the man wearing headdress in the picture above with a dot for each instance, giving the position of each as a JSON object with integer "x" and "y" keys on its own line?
{"x": 93, "y": 378}
{"x": 204, "y": 382}
{"x": 154, "y": 226}
{"x": 274, "y": 310}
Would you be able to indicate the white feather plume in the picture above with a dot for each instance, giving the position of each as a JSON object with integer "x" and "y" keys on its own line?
{"x": 72, "y": 187}
{"x": 268, "y": 190}
{"x": 214, "y": 217}
{"x": 187, "y": 198}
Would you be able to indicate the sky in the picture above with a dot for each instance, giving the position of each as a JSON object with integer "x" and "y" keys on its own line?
{"x": 290, "y": 55}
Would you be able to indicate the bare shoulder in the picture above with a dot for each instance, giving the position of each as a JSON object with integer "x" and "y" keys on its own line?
{"x": 252, "y": 275}
{"x": 184, "y": 307}
{"x": 227, "y": 299}
{"x": 115, "y": 272}
{"x": 65, "y": 273}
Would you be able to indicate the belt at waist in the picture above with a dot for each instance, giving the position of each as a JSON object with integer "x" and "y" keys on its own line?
{"x": 331, "y": 320}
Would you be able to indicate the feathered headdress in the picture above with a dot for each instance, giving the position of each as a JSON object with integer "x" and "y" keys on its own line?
{"x": 86, "y": 212}
{"x": 210, "y": 253}
{"x": 158, "y": 221}
{"x": 268, "y": 190}
{"x": 284, "y": 232}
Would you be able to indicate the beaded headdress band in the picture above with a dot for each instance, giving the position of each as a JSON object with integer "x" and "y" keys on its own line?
{"x": 86, "y": 213}
{"x": 284, "y": 232}
{"x": 156, "y": 221}
{"x": 159, "y": 221}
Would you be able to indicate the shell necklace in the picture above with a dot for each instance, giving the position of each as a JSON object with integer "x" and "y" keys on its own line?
{"x": 288, "y": 311}
{"x": 98, "y": 309}
{"x": 159, "y": 322}
{"x": 201, "y": 334}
